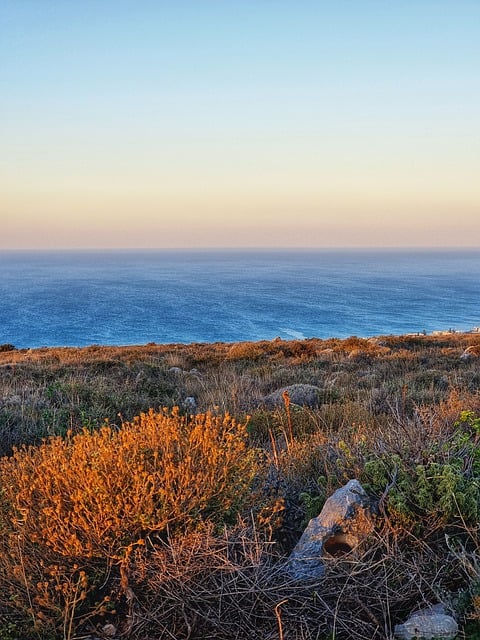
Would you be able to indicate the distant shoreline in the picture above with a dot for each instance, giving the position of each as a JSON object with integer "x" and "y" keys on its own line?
{"x": 453, "y": 333}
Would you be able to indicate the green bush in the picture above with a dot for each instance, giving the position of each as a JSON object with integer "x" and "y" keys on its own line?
{"x": 441, "y": 488}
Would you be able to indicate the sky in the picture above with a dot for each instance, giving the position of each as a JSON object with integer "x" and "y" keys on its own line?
{"x": 239, "y": 123}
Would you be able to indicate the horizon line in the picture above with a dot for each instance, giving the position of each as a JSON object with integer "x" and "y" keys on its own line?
{"x": 245, "y": 248}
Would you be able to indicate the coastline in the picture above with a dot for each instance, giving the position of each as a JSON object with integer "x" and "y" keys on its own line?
{"x": 454, "y": 333}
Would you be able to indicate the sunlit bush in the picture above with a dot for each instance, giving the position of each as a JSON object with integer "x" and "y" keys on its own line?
{"x": 87, "y": 501}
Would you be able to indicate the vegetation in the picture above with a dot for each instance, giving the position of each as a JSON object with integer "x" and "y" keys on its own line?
{"x": 152, "y": 491}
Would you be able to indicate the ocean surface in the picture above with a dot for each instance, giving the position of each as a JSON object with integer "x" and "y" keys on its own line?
{"x": 168, "y": 296}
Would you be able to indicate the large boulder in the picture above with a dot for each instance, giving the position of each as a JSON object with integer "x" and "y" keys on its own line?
{"x": 305, "y": 395}
{"x": 346, "y": 519}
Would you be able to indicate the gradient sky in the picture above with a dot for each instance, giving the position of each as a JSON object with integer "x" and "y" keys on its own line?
{"x": 232, "y": 123}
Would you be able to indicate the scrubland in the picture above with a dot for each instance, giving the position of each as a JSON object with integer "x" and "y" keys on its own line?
{"x": 156, "y": 491}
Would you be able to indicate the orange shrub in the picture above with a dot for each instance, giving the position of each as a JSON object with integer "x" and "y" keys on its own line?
{"x": 245, "y": 350}
{"x": 94, "y": 493}
{"x": 71, "y": 508}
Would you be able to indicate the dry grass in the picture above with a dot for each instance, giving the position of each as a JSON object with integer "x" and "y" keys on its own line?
{"x": 235, "y": 586}
{"x": 49, "y": 391}
{"x": 166, "y": 526}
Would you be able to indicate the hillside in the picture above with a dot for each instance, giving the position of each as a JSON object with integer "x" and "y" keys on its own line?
{"x": 399, "y": 413}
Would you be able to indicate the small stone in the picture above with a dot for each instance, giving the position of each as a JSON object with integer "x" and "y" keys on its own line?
{"x": 109, "y": 630}
{"x": 471, "y": 352}
{"x": 190, "y": 404}
{"x": 428, "y": 624}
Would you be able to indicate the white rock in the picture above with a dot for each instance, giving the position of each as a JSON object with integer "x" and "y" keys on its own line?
{"x": 345, "y": 520}
{"x": 428, "y": 624}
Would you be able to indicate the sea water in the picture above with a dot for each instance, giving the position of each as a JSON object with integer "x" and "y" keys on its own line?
{"x": 78, "y": 298}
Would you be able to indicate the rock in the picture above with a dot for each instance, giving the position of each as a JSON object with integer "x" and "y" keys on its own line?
{"x": 344, "y": 522}
{"x": 190, "y": 404}
{"x": 305, "y": 395}
{"x": 109, "y": 630}
{"x": 175, "y": 370}
{"x": 471, "y": 352}
{"x": 427, "y": 624}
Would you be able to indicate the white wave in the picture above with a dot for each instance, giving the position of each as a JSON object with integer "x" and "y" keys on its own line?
{"x": 295, "y": 334}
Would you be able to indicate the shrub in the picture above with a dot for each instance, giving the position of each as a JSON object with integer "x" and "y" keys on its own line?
{"x": 245, "y": 350}
{"x": 72, "y": 508}
{"x": 434, "y": 487}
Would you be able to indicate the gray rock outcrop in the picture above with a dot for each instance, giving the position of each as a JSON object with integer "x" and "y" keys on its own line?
{"x": 305, "y": 395}
{"x": 344, "y": 522}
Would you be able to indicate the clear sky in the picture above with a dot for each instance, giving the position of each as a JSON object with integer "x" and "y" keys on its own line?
{"x": 255, "y": 123}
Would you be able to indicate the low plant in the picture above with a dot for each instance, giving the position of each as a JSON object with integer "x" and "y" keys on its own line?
{"x": 436, "y": 486}
{"x": 75, "y": 509}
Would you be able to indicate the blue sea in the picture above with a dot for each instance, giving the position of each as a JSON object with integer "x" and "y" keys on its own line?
{"x": 79, "y": 298}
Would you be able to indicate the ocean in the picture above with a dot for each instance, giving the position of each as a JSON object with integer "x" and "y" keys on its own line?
{"x": 78, "y": 298}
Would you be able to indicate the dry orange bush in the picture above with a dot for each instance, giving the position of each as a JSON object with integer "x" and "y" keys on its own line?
{"x": 86, "y": 501}
{"x": 94, "y": 493}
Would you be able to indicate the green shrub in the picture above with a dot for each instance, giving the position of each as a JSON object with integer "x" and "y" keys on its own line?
{"x": 441, "y": 488}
